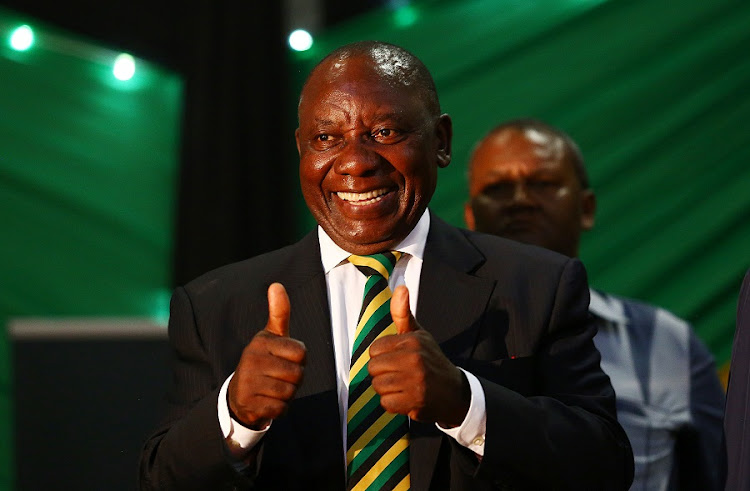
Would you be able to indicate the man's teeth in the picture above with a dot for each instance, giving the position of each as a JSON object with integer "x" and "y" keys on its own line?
{"x": 363, "y": 198}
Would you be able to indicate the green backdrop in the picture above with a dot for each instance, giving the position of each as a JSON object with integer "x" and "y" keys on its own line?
{"x": 655, "y": 93}
{"x": 87, "y": 173}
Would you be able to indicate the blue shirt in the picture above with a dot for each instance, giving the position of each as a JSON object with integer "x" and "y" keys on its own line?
{"x": 669, "y": 398}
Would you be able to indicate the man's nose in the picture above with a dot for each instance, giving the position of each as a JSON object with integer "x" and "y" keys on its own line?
{"x": 520, "y": 192}
{"x": 357, "y": 158}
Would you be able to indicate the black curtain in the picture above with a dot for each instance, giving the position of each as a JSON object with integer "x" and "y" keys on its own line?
{"x": 237, "y": 175}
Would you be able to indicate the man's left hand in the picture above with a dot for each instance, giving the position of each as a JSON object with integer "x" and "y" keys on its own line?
{"x": 412, "y": 375}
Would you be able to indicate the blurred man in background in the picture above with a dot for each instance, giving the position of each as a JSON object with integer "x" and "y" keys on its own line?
{"x": 527, "y": 182}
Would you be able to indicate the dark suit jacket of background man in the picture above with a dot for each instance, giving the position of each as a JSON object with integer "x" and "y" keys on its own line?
{"x": 495, "y": 307}
{"x": 737, "y": 414}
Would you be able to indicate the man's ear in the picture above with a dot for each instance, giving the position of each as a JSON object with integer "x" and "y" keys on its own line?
{"x": 296, "y": 138}
{"x": 469, "y": 216}
{"x": 588, "y": 209}
{"x": 444, "y": 130}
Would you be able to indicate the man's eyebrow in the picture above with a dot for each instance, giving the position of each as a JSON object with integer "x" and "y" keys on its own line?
{"x": 395, "y": 116}
{"x": 323, "y": 122}
{"x": 499, "y": 174}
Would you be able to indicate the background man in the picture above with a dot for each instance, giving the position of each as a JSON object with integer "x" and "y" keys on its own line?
{"x": 527, "y": 182}
{"x": 529, "y": 407}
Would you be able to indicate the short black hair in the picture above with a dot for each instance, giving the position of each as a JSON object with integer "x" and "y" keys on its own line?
{"x": 401, "y": 64}
{"x": 572, "y": 152}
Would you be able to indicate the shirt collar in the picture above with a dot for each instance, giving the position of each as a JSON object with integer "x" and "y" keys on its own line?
{"x": 332, "y": 255}
{"x": 602, "y": 306}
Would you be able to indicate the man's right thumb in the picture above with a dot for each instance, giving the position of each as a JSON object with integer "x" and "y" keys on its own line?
{"x": 278, "y": 310}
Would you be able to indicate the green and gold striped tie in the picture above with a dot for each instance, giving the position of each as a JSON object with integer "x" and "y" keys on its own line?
{"x": 377, "y": 454}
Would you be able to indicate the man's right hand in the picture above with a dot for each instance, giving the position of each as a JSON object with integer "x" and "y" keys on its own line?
{"x": 270, "y": 369}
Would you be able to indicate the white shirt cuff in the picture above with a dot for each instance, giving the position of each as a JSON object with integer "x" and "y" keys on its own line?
{"x": 242, "y": 436}
{"x": 474, "y": 426}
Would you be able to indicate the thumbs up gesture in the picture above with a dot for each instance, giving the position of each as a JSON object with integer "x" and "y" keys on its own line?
{"x": 412, "y": 375}
{"x": 270, "y": 369}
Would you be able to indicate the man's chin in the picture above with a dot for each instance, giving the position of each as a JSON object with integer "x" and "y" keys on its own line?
{"x": 365, "y": 240}
{"x": 523, "y": 235}
{"x": 364, "y": 248}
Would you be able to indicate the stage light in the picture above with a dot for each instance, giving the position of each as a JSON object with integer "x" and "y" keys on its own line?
{"x": 300, "y": 40}
{"x": 405, "y": 15}
{"x": 124, "y": 67}
{"x": 22, "y": 38}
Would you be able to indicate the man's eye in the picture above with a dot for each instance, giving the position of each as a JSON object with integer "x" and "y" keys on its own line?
{"x": 324, "y": 141}
{"x": 385, "y": 134}
{"x": 500, "y": 190}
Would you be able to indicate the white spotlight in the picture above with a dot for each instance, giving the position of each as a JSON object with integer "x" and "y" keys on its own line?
{"x": 300, "y": 40}
{"x": 22, "y": 38}
{"x": 124, "y": 67}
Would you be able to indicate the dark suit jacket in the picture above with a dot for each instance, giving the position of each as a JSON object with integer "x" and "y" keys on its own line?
{"x": 515, "y": 316}
{"x": 737, "y": 413}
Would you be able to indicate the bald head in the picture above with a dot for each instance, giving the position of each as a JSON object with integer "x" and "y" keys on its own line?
{"x": 527, "y": 182}
{"x": 393, "y": 64}
{"x": 553, "y": 141}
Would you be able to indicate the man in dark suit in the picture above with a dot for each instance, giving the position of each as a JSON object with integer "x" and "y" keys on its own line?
{"x": 486, "y": 346}
{"x": 737, "y": 411}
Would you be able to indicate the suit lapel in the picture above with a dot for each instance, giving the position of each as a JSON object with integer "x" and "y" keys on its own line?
{"x": 315, "y": 410}
{"x": 450, "y": 305}
{"x": 451, "y": 298}
{"x": 310, "y": 319}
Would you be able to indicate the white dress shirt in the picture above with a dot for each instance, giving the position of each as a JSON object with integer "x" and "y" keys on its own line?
{"x": 345, "y": 291}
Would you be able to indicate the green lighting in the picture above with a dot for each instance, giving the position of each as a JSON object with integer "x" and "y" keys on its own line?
{"x": 405, "y": 16}
{"x": 159, "y": 306}
{"x": 22, "y": 38}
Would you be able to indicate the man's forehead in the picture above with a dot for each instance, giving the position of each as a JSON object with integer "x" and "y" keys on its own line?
{"x": 551, "y": 145}
{"x": 516, "y": 141}
{"x": 514, "y": 153}
{"x": 378, "y": 64}
{"x": 332, "y": 89}
{"x": 394, "y": 65}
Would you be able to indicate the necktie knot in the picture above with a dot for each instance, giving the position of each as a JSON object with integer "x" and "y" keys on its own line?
{"x": 381, "y": 264}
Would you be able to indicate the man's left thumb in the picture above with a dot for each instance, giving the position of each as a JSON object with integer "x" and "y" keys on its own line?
{"x": 400, "y": 312}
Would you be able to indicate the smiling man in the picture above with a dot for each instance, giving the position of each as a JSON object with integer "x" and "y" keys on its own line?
{"x": 386, "y": 349}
